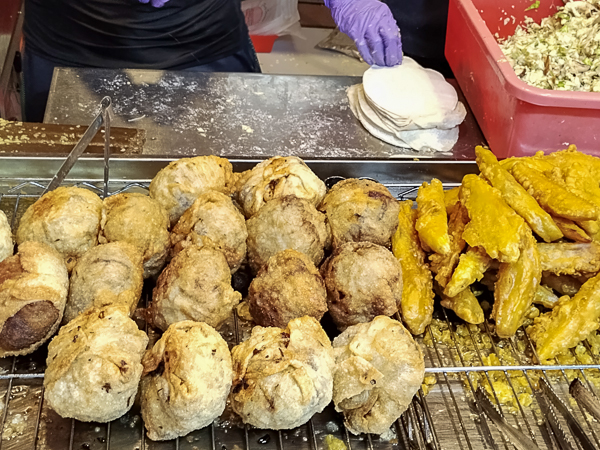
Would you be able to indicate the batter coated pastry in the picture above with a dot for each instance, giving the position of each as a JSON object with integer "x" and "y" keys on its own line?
{"x": 378, "y": 370}
{"x": 363, "y": 280}
{"x": 6, "y": 242}
{"x": 94, "y": 365}
{"x": 179, "y": 184}
{"x": 282, "y": 377}
{"x": 287, "y": 223}
{"x": 196, "y": 285}
{"x": 141, "y": 221}
{"x": 33, "y": 292}
{"x": 67, "y": 219}
{"x": 275, "y": 178}
{"x": 213, "y": 216}
{"x": 107, "y": 274}
{"x": 190, "y": 389}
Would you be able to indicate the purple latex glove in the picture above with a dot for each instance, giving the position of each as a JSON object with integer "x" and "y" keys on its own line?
{"x": 371, "y": 25}
{"x": 155, "y": 3}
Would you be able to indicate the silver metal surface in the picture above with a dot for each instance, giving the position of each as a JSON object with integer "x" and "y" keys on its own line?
{"x": 232, "y": 115}
{"x": 443, "y": 419}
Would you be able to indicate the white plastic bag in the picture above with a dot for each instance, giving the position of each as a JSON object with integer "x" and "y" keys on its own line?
{"x": 271, "y": 17}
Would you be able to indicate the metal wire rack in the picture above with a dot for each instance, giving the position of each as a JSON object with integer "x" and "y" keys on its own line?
{"x": 458, "y": 358}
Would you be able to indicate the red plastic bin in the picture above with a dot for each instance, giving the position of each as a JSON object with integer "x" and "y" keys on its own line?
{"x": 516, "y": 118}
{"x": 263, "y": 44}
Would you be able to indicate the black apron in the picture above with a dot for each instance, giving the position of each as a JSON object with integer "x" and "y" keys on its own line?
{"x": 127, "y": 33}
{"x": 423, "y": 28}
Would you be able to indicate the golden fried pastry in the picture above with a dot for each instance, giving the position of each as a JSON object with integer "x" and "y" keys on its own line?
{"x": 471, "y": 267}
{"x": 33, "y": 291}
{"x": 275, "y": 178}
{"x": 571, "y": 230}
{"x": 94, "y": 365}
{"x": 287, "y": 223}
{"x": 141, "y": 221}
{"x": 213, "y": 216}
{"x": 188, "y": 379}
{"x": 360, "y": 211}
{"x": 493, "y": 224}
{"x": 363, "y": 280}
{"x": 515, "y": 288}
{"x": 443, "y": 265}
{"x": 378, "y": 370}
{"x": 179, "y": 184}
{"x": 432, "y": 220}
{"x": 416, "y": 305}
{"x": 570, "y": 322}
{"x": 67, "y": 219}
{"x": 282, "y": 377}
{"x": 567, "y": 158}
{"x": 7, "y": 246}
{"x": 287, "y": 287}
{"x": 545, "y": 296}
{"x": 451, "y": 199}
{"x": 106, "y": 274}
{"x": 516, "y": 196}
{"x": 568, "y": 258}
{"x": 196, "y": 285}
{"x": 465, "y": 305}
{"x": 551, "y": 196}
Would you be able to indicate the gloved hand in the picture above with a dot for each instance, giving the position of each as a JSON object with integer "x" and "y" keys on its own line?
{"x": 155, "y": 3}
{"x": 371, "y": 25}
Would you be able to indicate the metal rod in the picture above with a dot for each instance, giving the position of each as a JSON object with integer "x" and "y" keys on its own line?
{"x": 427, "y": 412}
{"x": 6, "y": 402}
{"x": 38, "y": 418}
{"x": 460, "y": 419}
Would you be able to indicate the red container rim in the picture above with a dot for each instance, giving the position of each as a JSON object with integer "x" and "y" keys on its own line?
{"x": 514, "y": 85}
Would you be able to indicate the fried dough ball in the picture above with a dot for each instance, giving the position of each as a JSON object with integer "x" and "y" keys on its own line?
{"x": 33, "y": 292}
{"x": 94, "y": 365}
{"x": 196, "y": 285}
{"x": 287, "y": 223}
{"x": 378, "y": 370}
{"x": 107, "y": 274}
{"x": 363, "y": 280}
{"x": 361, "y": 211}
{"x": 213, "y": 216}
{"x": 190, "y": 390}
{"x": 6, "y": 243}
{"x": 141, "y": 221}
{"x": 275, "y": 178}
{"x": 67, "y": 219}
{"x": 282, "y": 377}
{"x": 179, "y": 184}
{"x": 287, "y": 287}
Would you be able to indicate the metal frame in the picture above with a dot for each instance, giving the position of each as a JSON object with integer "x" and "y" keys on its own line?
{"x": 446, "y": 418}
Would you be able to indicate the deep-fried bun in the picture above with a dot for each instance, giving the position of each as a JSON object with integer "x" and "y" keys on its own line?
{"x": 275, "y": 178}
{"x": 67, "y": 219}
{"x": 363, "y": 280}
{"x": 141, "y": 221}
{"x": 107, "y": 274}
{"x": 33, "y": 292}
{"x": 282, "y": 377}
{"x": 213, "y": 216}
{"x": 287, "y": 287}
{"x": 196, "y": 285}
{"x": 179, "y": 184}
{"x": 378, "y": 369}
{"x": 94, "y": 365}
{"x": 361, "y": 211}
{"x": 188, "y": 381}
{"x": 287, "y": 223}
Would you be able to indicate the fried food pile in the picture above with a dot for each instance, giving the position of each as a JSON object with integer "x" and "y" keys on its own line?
{"x": 527, "y": 228}
{"x": 6, "y": 241}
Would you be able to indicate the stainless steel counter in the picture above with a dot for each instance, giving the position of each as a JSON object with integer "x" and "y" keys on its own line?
{"x": 232, "y": 115}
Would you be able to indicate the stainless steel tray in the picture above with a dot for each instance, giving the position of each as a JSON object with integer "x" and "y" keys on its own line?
{"x": 445, "y": 418}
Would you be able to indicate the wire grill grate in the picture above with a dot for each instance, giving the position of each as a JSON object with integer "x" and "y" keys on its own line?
{"x": 446, "y": 418}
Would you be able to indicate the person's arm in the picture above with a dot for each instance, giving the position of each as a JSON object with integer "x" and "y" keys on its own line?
{"x": 371, "y": 25}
